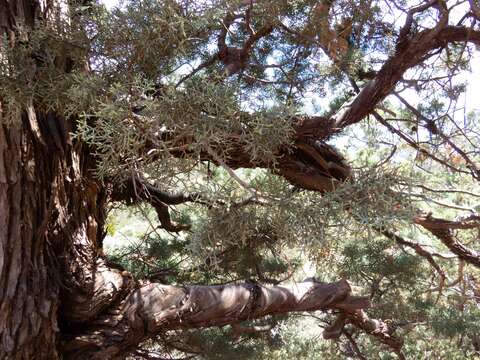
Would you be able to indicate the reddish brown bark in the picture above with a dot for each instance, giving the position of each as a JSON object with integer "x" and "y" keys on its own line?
{"x": 153, "y": 308}
{"x": 28, "y": 287}
{"x": 55, "y": 287}
{"x": 51, "y": 215}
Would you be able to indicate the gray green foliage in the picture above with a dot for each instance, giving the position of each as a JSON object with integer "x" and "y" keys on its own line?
{"x": 144, "y": 109}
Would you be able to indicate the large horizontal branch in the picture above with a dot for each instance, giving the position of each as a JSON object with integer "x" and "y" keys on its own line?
{"x": 308, "y": 163}
{"x": 156, "y": 308}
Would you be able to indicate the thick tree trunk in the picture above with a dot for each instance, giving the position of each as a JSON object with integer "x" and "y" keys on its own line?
{"x": 51, "y": 211}
{"x": 28, "y": 288}
{"x": 51, "y": 215}
{"x": 29, "y": 291}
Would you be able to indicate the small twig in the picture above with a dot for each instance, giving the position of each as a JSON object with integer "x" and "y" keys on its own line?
{"x": 442, "y": 191}
{"x": 413, "y": 144}
{"x": 231, "y": 172}
{"x": 440, "y": 203}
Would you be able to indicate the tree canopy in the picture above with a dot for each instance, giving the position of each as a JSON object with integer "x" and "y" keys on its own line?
{"x": 242, "y": 146}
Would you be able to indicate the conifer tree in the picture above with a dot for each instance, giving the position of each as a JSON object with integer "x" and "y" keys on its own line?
{"x": 255, "y": 138}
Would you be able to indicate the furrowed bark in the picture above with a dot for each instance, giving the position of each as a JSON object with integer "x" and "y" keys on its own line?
{"x": 155, "y": 308}
{"x": 28, "y": 287}
{"x": 28, "y": 290}
{"x": 51, "y": 216}
{"x": 52, "y": 213}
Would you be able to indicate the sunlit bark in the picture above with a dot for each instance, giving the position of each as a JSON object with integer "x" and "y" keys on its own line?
{"x": 155, "y": 308}
{"x": 55, "y": 287}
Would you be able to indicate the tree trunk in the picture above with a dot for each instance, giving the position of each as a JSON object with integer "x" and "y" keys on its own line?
{"x": 28, "y": 288}
{"x": 29, "y": 291}
{"x": 58, "y": 298}
{"x": 51, "y": 212}
{"x": 51, "y": 216}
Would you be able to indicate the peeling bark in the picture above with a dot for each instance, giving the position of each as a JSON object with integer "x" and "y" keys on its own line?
{"x": 155, "y": 308}
{"x": 55, "y": 287}
{"x": 443, "y": 230}
{"x": 28, "y": 290}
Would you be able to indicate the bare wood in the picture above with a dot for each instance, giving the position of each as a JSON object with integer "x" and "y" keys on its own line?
{"x": 164, "y": 307}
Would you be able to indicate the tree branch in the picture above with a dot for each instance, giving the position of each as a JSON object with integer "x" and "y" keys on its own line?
{"x": 310, "y": 164}
{"x": 475, "y": 8}
{"x": 443, "y": 230}
{"x": 412, "y": 53}
{"x": 431, "y": 126}
{"x": 155, "y": 308}
{"x": 135, "y": 190}
{"x": 379, "y": 329}
{"x": 418, "y": 250}
{"x": 354, "y": 345}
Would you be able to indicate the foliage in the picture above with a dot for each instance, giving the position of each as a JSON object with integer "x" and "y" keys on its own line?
{"x": 153, "y": 99}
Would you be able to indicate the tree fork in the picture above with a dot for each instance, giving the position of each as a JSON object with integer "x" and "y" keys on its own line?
{"x": 52, "y": 214}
